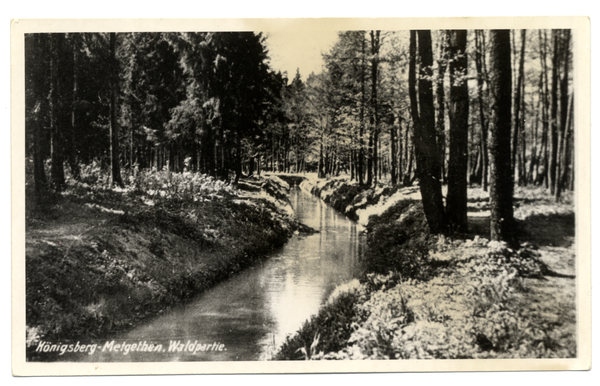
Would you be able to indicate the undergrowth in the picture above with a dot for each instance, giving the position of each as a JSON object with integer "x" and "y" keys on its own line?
{"x": 100, "y": 259}
{"x": 436, "y": 297}
{"x": 469, "y": 311}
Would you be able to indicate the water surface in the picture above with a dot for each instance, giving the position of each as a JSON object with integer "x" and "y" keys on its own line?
{"x": 248, "y": 316}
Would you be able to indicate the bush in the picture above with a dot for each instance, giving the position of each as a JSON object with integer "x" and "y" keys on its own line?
{"x": 160, "y": 185}
{"x": 386, "y": 313}
{"x": 400, "y": 246}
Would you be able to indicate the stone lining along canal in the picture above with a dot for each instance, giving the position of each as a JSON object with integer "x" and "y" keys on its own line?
{"x": 249, "y": 316}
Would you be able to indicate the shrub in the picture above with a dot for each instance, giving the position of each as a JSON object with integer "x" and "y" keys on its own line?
{"x": 387, "y": 313}
{"x": 400, "y": 246}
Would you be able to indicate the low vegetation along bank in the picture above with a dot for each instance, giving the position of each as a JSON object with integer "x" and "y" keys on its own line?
{"x": 447, "y": 297}
{"x": 99, "y": 260}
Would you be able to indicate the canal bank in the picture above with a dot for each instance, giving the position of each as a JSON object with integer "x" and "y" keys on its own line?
{"x": 251, "y": 313}
{"x": 99, "y": 262}
{"x": 436, "y": 297}
{"x": 99, "y": 268}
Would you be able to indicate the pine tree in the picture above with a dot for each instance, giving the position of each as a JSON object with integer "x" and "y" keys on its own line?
{"x": 57, "y": 107}
{"x": 36, "y": 68}
{"x": 114, "y": 127}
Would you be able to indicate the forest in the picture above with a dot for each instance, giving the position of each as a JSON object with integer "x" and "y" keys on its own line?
{"x": 168, "y": 138}
{"x": 389, "y": 104}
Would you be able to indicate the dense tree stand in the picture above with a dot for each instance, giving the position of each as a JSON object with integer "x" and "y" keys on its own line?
{"x": 386, "y": 108}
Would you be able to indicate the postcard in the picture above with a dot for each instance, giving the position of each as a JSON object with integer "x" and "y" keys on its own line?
{"x": 328, "y": 195}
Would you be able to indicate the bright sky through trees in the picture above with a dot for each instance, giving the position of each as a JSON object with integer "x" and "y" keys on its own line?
{"x": 290, "y": 50}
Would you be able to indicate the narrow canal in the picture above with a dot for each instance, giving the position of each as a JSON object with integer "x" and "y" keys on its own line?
{"x": 250, "y": 315}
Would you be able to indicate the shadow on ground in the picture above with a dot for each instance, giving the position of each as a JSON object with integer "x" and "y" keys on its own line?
{"x": 479, "y": 226}
{"x": 556, "y": 230}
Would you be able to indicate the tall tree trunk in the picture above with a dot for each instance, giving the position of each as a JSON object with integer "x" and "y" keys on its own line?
{"x": 351, "y": 159}
{"x": 172, "y": 165}
{"x": 409, "y": 178}
{"x": 426, "y": 150}
{"x": 114, "y": 128}
{"x": 258, "y": 165}
{"x": 543, "y": 178}
{"x": 479, "y": 62}
{"x": 361, "y": 151}
{"x": 272, "y": 152}
{"x": 456, "y": 201}
{"x": 502, "y": 224}
{"x": 207, "y": 151}
{"x": 286, "y": 150}
{"x": 408, "y": 157}
{"x": 131, "y": 132}
{"x": 192, "y": 151}
{"x": 72, "y": 89}
{"x": 440, "y": 97}
{"x": 554, "y": 112}
{"x": 321, "y": 167}
{"x": 567, "y": 142}
{"x": 238, "y": 155}
{"x": 375, "y": 43}
{"x": 222, "y": 166}
{"x": 474, "y": 171}
{"x": 393, "y": 150}
{"x": 132, "y": 116}
{"x": 399, "y": 151}
{"x": 564, "y": 101}
{"x": 370, "y": 158}
{"x": 517, "y": 106}
{"x": 35, "y": 61}
{"x": 57, "y": 143}
{"x": 533, "y": 164}
{"x": 523, "y": 155}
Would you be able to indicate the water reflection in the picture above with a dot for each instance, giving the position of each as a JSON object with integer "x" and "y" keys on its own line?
{"x": 251, "y": 314}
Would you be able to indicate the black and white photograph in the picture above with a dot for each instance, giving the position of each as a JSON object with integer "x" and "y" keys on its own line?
{"x": 295, "y": 195}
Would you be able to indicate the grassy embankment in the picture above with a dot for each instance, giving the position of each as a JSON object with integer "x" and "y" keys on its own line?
{"x": 448, "y": 297}
{"x": 99, "y": 260}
